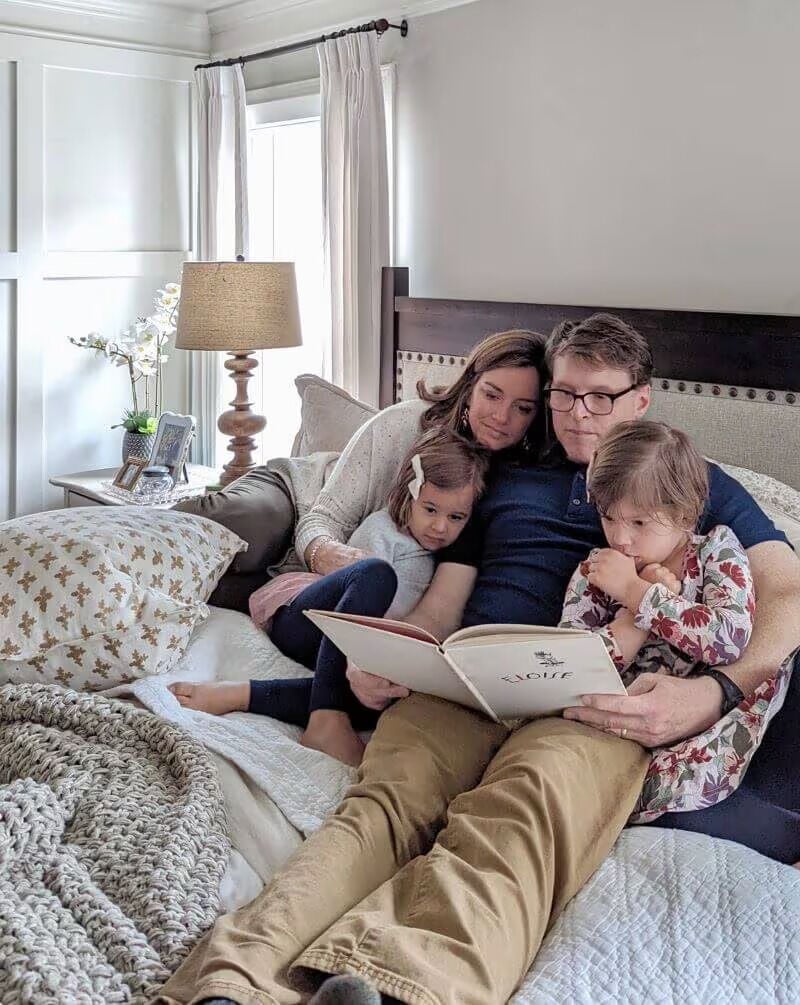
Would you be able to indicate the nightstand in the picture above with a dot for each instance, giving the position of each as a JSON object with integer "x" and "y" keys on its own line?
{"x": 87, "y": 488}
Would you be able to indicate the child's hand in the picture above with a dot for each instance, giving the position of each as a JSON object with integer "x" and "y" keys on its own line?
{"x": 656, "y": 573}
{"x": 373, "y": 691}
{"x": 615, "y": 574}
{"x": 624, "y": 617}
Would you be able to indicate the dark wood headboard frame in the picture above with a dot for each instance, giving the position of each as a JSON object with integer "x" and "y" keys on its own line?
{"x": 738, "y": 350}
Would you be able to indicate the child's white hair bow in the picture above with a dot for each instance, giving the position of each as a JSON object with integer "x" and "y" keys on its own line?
{"x": 416, "y": 483}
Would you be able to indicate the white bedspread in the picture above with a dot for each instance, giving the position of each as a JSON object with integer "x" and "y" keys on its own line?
{"x": 669, "y": 917}
{"x": 305, "y": 784}
{"x": 675, "y": 917}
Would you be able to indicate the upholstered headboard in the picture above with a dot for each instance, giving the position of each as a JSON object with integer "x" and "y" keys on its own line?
{"x": 732, "y": 381}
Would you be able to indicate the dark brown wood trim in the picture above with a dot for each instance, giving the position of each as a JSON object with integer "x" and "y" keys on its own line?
{"x": 394, "y": 284}
{"x": 750, "y": 350}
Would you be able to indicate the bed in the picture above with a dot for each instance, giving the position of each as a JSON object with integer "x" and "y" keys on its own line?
{"x": 669, "y": 916}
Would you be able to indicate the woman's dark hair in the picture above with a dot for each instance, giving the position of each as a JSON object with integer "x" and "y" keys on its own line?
{"x": 503, "y": 349}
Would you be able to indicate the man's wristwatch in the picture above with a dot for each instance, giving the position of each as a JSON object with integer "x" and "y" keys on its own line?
{"x": 731, "y": 694}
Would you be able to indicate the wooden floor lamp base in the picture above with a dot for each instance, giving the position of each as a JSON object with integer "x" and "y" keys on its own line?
{"x": 240, "y": 422}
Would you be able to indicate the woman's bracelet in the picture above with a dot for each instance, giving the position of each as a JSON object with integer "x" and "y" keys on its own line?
{"x": 315, "y": 547}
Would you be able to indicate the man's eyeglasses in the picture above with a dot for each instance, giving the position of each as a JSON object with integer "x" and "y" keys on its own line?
{"x": 595, "y": 402}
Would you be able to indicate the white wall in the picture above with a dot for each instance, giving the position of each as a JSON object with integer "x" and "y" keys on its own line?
{"x": 620, "y": 153}
{"x": 96, "y": 212}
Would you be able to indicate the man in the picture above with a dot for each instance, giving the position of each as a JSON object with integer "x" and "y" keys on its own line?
{"x": 437, "y": 878}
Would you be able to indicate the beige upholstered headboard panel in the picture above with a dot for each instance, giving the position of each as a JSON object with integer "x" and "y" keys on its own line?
{"x": 751, "y": 428}
{"x": 732, "y": 381}
{"x": 753, "y": 433}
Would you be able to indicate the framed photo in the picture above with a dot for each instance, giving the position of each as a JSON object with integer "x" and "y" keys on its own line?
{"x": 171, "y": 447}
{"x": 128, "y": 474}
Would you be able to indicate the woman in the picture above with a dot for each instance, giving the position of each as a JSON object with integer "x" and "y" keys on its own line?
{"x": 495, "y": 401}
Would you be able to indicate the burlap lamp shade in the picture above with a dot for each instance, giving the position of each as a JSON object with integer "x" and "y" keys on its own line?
{"x": 239, "y": 308}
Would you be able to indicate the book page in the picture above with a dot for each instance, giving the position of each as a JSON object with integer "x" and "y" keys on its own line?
{"x": 411, "y": 662}
{"x": 489, "y": 631}
{"x": 525, "y": 677}
{"x": 383, "y": 624}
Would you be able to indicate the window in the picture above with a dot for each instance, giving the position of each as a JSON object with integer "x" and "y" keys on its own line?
{"x": 285, "y": 197}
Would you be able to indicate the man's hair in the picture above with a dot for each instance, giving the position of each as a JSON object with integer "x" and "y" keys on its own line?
{"x": 602, "y": 340}
{"x": 653, "y": 467}
{"x": 448, "y": 461}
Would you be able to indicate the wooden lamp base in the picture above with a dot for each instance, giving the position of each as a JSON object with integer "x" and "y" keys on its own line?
{"x": 240, "y": 422}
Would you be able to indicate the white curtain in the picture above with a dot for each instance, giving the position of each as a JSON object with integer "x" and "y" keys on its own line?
{"x": 355, "y": 194}
{"x": 222, "y": 222}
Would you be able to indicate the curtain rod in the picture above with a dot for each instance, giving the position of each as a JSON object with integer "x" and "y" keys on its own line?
{"x": 380, "y": 26}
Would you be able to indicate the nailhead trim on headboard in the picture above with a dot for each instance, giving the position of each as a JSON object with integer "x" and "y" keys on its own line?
{"x": 717, "y": 390}
{"x": 669, "y": 384}
{"x": 422, "y": 357}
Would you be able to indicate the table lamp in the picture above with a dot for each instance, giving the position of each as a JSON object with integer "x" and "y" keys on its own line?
{"x": 238, "y": 308}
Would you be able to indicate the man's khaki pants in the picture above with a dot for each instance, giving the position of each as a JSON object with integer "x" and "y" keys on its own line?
{"x": 441, "y": 871}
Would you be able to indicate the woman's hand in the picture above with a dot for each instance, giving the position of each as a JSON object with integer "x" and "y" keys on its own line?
{"x": 332, "y": 556}
{"x": 373, "y": 691}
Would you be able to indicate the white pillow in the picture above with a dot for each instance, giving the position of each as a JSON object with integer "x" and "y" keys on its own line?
{"x": 94, "y": 597}
{"x": 780, "y": 502}
{"x": 329, "y": 416}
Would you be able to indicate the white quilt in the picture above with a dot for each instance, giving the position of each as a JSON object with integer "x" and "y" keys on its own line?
{"x": 669, "y": 917}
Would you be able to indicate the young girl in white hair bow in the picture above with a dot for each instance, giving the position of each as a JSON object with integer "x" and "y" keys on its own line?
{"x": 430, "y": 502}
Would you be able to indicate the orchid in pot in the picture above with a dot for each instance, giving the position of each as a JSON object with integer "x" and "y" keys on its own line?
{"x": 142, "y": 349}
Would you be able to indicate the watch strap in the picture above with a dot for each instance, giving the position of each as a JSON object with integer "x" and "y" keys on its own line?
{"x": 732, "y": 695}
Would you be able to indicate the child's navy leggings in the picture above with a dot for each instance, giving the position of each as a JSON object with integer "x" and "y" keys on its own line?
{"x": 367, "y": 587}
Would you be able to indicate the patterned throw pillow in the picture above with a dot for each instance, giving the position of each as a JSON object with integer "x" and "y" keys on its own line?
{"x": 94, "y": 597}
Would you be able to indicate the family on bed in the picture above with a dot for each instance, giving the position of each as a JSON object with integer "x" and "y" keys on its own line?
{"x": 532, "y": 491}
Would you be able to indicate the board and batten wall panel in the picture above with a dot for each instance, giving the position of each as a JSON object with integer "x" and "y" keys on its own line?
{"x": 84, "y": 394}
{"x": 7, "y": 300}
{"x": 8, "y": 269}
{"x": 8, "y": 145}
{"x": 116, "y": 162}
{"x": 96, "y": 213}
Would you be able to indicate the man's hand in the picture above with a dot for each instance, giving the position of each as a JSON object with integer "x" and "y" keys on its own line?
{"x": 658, "y": 710}
{"x": 373, "y": 691}
{"x": 332, "y": 556}
{"x": 655, "y": 573}
{"x": 615, "y": 574}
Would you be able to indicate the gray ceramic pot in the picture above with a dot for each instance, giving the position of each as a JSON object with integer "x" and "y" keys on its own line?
{"x": 137, "y": 445}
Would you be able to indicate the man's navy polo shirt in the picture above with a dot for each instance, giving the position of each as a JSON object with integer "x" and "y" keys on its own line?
{"x": 534, "y": 525}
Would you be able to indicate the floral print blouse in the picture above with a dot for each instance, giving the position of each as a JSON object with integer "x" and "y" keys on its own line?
{"x": 709, "y": 624}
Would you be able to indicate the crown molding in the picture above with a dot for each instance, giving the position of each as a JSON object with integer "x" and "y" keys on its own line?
{"x": 157, "y": 27}
{"x": 249, "y": 25}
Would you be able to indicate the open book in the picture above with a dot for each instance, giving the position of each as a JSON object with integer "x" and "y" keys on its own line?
{"x": 506, "y": 671}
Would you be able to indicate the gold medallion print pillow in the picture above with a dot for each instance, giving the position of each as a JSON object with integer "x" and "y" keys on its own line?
{"x": 94, "y": 597}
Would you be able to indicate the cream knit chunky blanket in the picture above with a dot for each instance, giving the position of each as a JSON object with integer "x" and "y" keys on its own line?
{"x": 112, "y": 846}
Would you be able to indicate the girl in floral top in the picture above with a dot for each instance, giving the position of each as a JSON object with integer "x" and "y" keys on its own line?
{"x": 663, "y": 598}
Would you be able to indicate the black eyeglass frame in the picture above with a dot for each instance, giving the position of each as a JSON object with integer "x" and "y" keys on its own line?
{"x": 611, "y": 395}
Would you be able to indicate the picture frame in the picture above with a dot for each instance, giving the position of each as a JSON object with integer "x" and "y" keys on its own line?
{"x": 171, "y": 446}
{"x": 128, "y": 475}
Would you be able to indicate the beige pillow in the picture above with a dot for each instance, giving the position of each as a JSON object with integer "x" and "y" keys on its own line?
{"x": 329, "y": 416}
{"x": 95, "y": 597}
